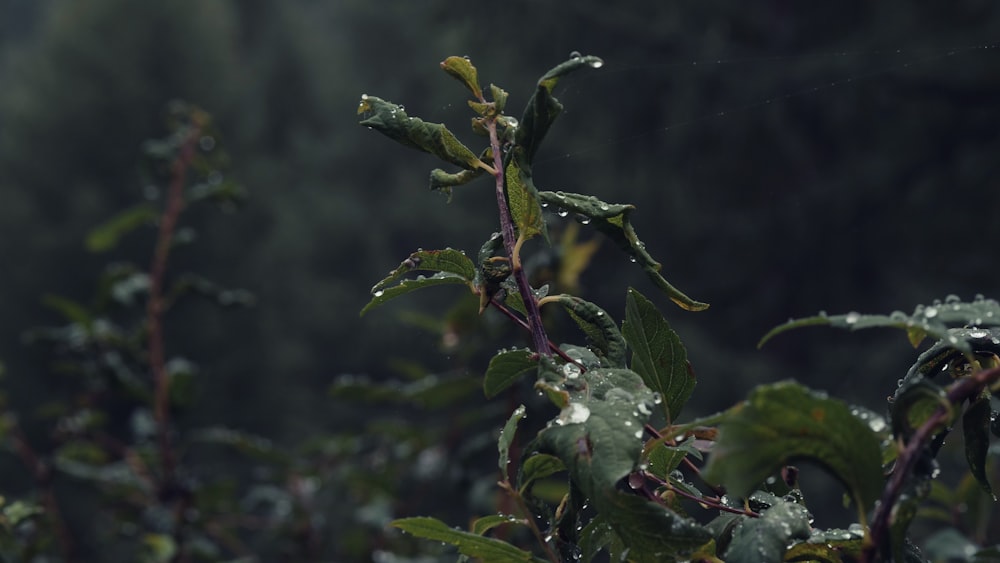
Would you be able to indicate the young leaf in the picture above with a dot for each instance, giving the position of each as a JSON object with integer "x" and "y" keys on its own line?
{"x": 444, "y": 181}
{"x": 106, "y": 236}
{"x": 543, "y": 109}
{"x": 657, "y": 354}
{"x": 463, "y": 71}
{"x": 507, "y": 438}
{"x": 602, "y": 332}
{"x": 391, "y": 120}
{"x": 473, "y": 545}
{"x": 506, "y": 368}
{"x": 613, "y": 221}
{"x": 784, "y": 422}
{"x": 522, "y": 198}
{"x": 766, "y": 538}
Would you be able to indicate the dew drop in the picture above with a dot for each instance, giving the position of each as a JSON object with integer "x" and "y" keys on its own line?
{"x": 596, "y": 63}
{"x": 952, "y": 298}
{"x": 571, "y": 370}
{"x": 632, "y": 259}
{"x": 979, "y": 333}
{"x": 638, "y": 434}
{"x": 575, "y": 55}
{"x": 562, "y": 212}
{"x": 930, "y": 312}
{"x": 852, "y": 317}
{"x": 644, "y": 409}
{"x": 605, "y": 206}
{"x": 583, "y": 219}
{"x": 379, "y": 293}
{"x": 574, "y": 413}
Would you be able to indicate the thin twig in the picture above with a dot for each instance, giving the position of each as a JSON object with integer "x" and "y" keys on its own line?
{"x": 965, "y": 388}
{"x": 530, "y": 519}
{"x": 500, "y": 306}
{"x": 539, "y": 339}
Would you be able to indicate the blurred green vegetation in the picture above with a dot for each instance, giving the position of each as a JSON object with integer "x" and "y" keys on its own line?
{"x": 783, "y": 159}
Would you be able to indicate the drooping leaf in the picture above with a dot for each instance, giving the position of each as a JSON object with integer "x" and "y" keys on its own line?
{"x": 613, "y": 221}
{"x": 976, "y": 430}
{"x": 784, "y": 422}
{"x": 106, "y": 236}
{"x": 543, "y": 109}
{"x": 473, "y": 545}
{"x": 462, "y": 70}
{"x": 380, "y": 296}
{"x": 447, "y": 260}
{"x": 506, "y": 368}
{"x": 766, "y": 538}
{"x": 444, "y": 181}
{"x": 522, "y": 199}
{"x": 657, "y": 354}
{"x": 931, "y": 320}
{"x": 507, "y": 438}
{"x": 601, "y": 331}
{"x": 434, "y": 138}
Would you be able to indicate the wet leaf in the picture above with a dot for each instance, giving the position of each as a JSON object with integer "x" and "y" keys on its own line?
{"x": 765, "y": 538}
{"x": 462, "y": 70}
{"x": 931, "y": 320}
{"x": 507, "y": 438}
{"x": 391, "y": 120}
{"x": 506, "y": 368}
{"x": 106, "y": 236}
{"x": 380, "y": 296}
{"x": 785, "y": 422}
{"x": 447, "y": 260}
{"x": 522, "y": 198}
{"x": 473, "y": 545}
{"x": 598, "y": 437}
{"x": 657, "y": 354}
{"x": 602, "y": 333}
{"x": 543, "y": 108}
{"x": 487, "y": 523}
{"x": 613, "y": 221}
{"x": 444, "y": 181}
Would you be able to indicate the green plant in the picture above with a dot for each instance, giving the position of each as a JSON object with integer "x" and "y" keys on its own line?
{"x": 633, "y": 481}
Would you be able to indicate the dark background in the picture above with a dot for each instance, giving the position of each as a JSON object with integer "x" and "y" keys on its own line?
{"x": 784, "y": 158}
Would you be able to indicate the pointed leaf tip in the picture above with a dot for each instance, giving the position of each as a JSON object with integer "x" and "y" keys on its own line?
{"x": 462, "y": 70}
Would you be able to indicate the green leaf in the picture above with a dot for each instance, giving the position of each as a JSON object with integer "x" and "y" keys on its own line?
{"x": 663, "y": 459}
{"x": 657, "y": 354}
{"x": 765, "y": 538}
{"x": 380, "y": 296}
{"x": 487, "y": 523}
{"x": 443, "y": 181}
{"x": 447, "y": 260}
{"x": 543, "y": 109}
{"x": 976, "y": 429}
{"x": 538, "y": 466}
{"x": 522, "y": 199}
{"x": 613, "y": 221}
{"x": 106, "y": 236}
{"x": 462, "y": 70}
{"x": 391, "y": 120}
{"x": 594, "y": 537}
{"x": 601, "y": 331}
{"x": 506, "y": 368}
{"x": 829, "y": 546}
{"x": 930, "y": 320}
{"x": 473, "y": 545}
{"x": 507, "y": 438}
{"x": 784, "y": 422}
{"x": 598, "y": 437}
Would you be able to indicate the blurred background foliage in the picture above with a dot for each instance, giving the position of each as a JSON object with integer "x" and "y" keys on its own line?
{"x": 784, "y": 159}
